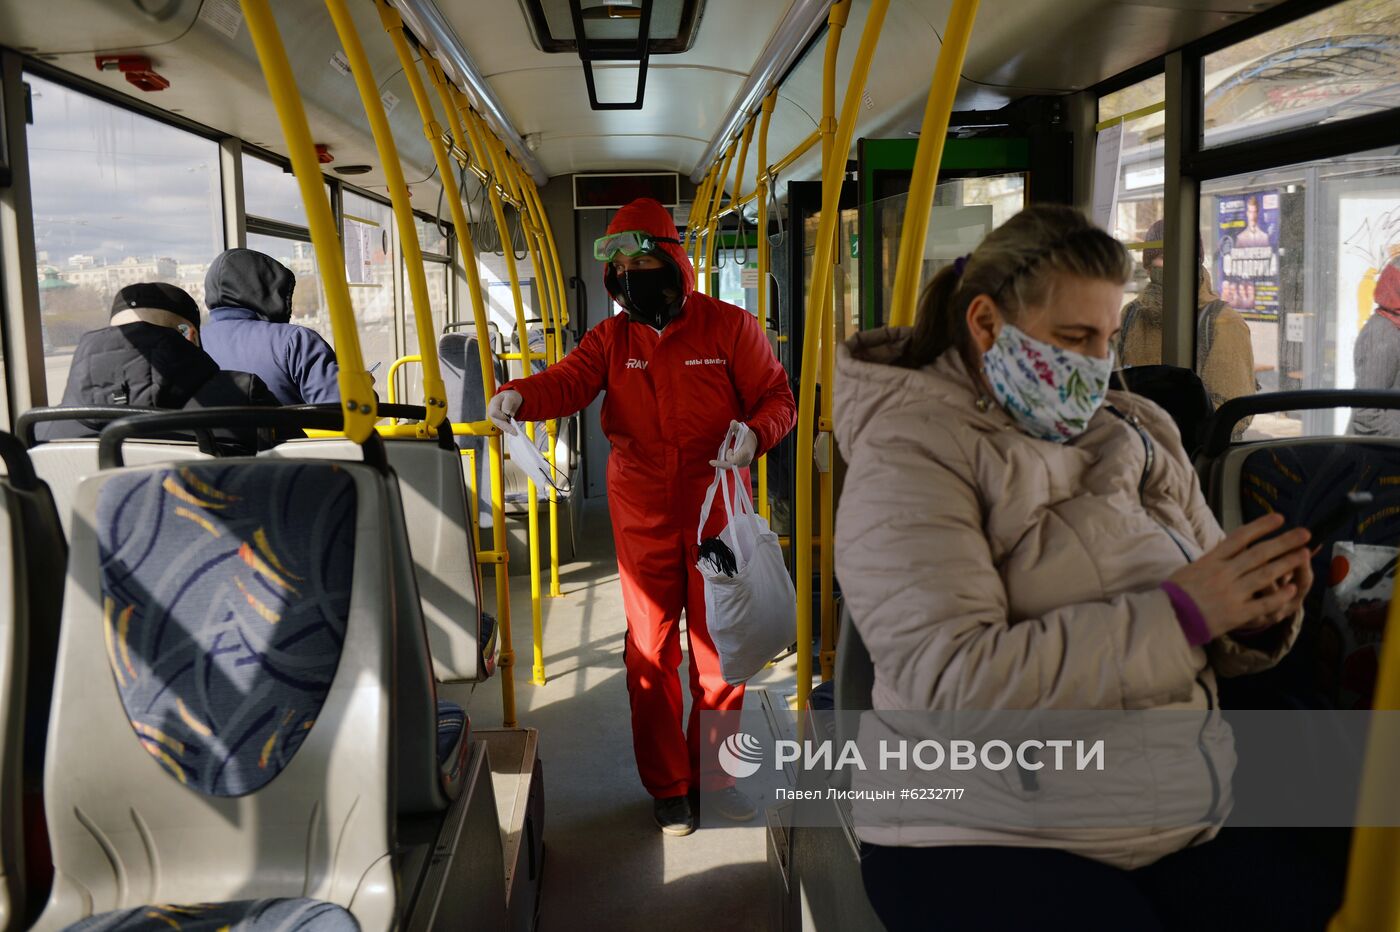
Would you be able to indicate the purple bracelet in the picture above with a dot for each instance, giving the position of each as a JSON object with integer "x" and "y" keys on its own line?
{"x": 1188, "y": 615}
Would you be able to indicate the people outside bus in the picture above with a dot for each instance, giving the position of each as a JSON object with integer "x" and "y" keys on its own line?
{"x": 1023, "y": 538}
{"x": 1376, "y": 355}
{"x": 679, "y": 369}
{"x": 149, "y": 356}
{"x": 1224, "y": 350}
{"x": 249, "y": 296}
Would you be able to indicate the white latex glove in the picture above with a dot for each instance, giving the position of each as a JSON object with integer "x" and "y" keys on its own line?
{"x": 502, "y": 410}
{"x": 741, "y": 451}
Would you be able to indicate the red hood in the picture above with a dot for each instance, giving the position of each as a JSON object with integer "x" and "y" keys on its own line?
{"x": 649, "y": 216}
{"x": 1388, "y": 287}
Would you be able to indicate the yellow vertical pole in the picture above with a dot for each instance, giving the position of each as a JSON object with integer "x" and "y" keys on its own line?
{"x": 764, "y": 259}
{"x": 832, "y": 173}
{"x": 840, "y": 14}
{"x": 721, "y": 182}
{"x": 826, "y": 489}
{"x": 937, "y": 112}
{"x": 356, "y": 385}
{"x": 699, "y": 217}
{"x": 434, "y": 391}
{"x": 534, "y": 240}
{"x": 745, "y": 141}
{"x": 563, "y": 319}
{"x": 499, "y": 548}
{"x": 554, "y": 336}
{"x": 484, "y": 141}
{"x": 393, "y": 25}
{"x": 1372, "y": 898}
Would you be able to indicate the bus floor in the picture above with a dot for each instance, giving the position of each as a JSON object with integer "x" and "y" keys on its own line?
{"x": 606, "y": 864}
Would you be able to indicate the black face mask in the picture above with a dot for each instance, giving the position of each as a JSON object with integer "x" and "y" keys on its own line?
{"x": 650, "y": 296}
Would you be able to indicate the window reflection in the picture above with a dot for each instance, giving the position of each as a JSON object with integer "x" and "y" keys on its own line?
{"x": 1338, "y": 63}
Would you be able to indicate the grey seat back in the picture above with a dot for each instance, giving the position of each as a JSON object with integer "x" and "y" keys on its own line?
{"x": 1332, "y": 663}
{"x": 222, "y": 719}
{"x": 443, "y": 544}
{"x": 63, "y": 464}
{"x": 422, "y": 784}
{"x": 32, "y": 560}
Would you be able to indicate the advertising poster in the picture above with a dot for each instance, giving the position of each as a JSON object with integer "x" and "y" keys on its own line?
{"x": 1369, "y": 231}
{"x": 1246, "y": 273}
{"x": 361, "y": 238}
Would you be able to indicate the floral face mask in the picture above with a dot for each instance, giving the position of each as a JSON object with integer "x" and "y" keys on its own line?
{"x": 1051, "y": 393}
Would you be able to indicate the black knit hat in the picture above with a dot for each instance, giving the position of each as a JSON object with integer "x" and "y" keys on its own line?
{"x": 159, "y": 296}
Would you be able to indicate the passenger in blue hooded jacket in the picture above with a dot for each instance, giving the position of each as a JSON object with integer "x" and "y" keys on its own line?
{"x": 249, "y": 296}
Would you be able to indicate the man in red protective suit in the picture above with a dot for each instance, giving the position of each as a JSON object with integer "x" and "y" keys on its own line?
{"x": 679, "y": 368}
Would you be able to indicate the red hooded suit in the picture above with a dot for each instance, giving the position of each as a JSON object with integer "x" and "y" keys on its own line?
{"x": 670, "y": 398}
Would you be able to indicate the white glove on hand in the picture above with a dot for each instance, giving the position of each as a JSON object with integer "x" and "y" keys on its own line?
{"x": 741, "y": 451}
{"x": 502, "y": 410}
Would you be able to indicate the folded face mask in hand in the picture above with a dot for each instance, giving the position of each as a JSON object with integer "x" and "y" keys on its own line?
{"x": 524, "y": 454}
{"x": 719, "y": 555}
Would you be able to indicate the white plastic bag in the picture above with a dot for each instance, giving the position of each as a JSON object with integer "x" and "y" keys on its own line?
{"x": 527, "y": 456}
{"x": 752, "y": 615}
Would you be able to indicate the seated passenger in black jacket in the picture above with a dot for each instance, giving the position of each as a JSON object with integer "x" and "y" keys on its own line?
{"x": 149, "y": 357}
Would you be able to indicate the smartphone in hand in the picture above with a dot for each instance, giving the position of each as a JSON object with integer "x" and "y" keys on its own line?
{"x": 1325, "y": 525}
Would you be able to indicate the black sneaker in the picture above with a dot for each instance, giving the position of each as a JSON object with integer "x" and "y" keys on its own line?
{"x": 732, "y": 805}
{"x": 673, "y": 815}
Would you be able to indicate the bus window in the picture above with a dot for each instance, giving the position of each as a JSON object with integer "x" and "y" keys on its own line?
{"x": 308, "y": 298}
{"x": 965, "y": 210}
{"x": 118, "y": 198}
{"x": 437, "y": 271}
{"x": 368, "y": 238}
{"x": 1141, "y": 111}
{"x": 1340, "y": 62}
{"x": 1295, "y": 253}
{"x": 738, "y": 277}
{"x": 271, "y": 191}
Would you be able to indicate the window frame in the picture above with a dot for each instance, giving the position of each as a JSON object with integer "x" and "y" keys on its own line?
{"x": 1188, "y": 162}
{"x": 1300, "y": 144}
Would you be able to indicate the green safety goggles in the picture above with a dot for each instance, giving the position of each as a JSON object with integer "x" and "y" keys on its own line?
{"x": 630, "y": 243}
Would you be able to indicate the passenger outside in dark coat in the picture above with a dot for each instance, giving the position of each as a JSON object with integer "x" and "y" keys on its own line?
{"x": 150, "y": 357}
{"x": 1377, "y": 355}
{"x": 249, "y": 296}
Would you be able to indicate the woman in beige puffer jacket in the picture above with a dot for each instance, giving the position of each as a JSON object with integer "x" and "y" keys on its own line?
{"x": 986, "y": 568}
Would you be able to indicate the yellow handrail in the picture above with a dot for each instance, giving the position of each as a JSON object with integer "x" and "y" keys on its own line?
{"x": 734, "y": 197}
{"x": 800, "y": 150}
{"x": 937, "y": 112}
{"x": 823, "y": 281}
{"x": 534, "y": 242}
{"x": 833, "y": 171}
{"x": 485, "y": 141}
{"x": 488, "y": 377}
{"x": 1372, "y": 895}
{"x": 765, "y": 249}
{"x": 702, "y": 277}
{"x": 434, "y": 391}
{"x": 555, "y": 310}
{"x": 698, "y": 220}
{"x": 394, "y": 368}
{"x": 356, "y": 385}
